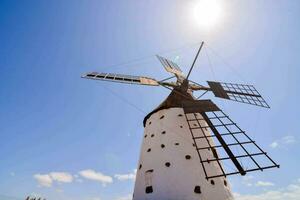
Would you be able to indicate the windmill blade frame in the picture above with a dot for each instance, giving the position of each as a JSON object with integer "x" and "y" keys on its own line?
{"x": 121, "y": 78}
{"x": 221, "y": 140}
{"x": 238, "y": 92}
{"x": 170, "y": 66}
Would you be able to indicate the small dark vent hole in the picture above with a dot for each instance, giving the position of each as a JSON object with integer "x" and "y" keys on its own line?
{"x": 225, "y": 182}
{"x": 145, "y": 136}
{"x": 212, "y": 182}
{"x": 197, "y": 189}
{"x": 164, "y": 132}
{"x": 152, "y": 135}
{"x": 148, "y": 150}
{"x": 162, "y": 117}
{"x": 188, "y": 157}
{"x": 181, "y": 126}
{"x": 140, "y": 166}
{"x": 180, "y": 115}
{"x": 168, "y": 164}
{"x": 162, "y": 146}
{"x": 176, "y": 143}
{"x": 149, "y": 189}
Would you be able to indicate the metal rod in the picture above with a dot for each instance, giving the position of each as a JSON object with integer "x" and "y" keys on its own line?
{"x": 202, "y": 94}
{"x": 202, "y": 43}
{"x": 166, "y": 79}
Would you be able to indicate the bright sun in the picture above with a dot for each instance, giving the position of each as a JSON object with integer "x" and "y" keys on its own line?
{"x": 207, "y": 13}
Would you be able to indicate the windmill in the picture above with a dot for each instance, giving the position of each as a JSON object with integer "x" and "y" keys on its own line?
{"x": 190, "y": 145}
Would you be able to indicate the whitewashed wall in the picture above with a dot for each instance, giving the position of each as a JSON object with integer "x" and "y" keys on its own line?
{"x": 169, "y": 139}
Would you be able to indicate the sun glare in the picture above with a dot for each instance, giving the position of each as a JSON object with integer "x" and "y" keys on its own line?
{"x": 207, "y": 13}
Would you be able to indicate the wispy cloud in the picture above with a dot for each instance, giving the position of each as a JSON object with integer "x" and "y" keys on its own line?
{"x": 264, "y": 184}
{"x": 95, "y": 198}
{"x": 127, "y": 197}
{"x": 124, "y": 177}
{"x": 290, "y": 192}
{"x": 289, "y": 139}
{"x": 96, "y": 176}
{"x": 46, "y": 180}
{"x": 247, "y": 180}
{"x": 284, "y": 141}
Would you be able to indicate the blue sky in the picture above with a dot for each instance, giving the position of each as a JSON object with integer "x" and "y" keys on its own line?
{"x": 54, "y": 121}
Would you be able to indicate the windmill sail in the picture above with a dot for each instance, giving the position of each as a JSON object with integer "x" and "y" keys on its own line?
{"x": 219, "y": 140}
{"x": 121, "y": 78}
{"x": 238, "y": 92}
{"x": 170, "y": 66}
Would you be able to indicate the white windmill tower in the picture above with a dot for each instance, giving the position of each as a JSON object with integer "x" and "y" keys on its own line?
{"x": 190, "y": 146}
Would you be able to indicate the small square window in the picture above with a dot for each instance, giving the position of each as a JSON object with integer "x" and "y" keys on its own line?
{"x": 149, "y": 189}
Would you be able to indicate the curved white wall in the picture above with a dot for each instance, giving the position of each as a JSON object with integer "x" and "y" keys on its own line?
{"x": 169, "y": 139}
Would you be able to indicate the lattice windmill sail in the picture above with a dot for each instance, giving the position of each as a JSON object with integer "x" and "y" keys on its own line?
{"x": 215, "y": 145}
{"x": 238, "y": 92}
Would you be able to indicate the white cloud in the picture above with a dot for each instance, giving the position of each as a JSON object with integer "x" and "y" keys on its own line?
{"x": 284, "y": 141}
{"x": 127, "y": 197}
{"x": 124, "y": 177}
{"x": 63, "y": 177}
{"x": 274, "y": 144}
{"x": 96, "y": 176}
{"x": 44, "y": 180}
{"x": 291, "y": 192}
{"x": 264, "y": 184}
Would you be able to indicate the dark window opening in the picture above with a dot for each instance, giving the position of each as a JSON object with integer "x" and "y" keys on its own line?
{"x": 181, "y": 126}
{"x": 150, "y": 170}
{"x": 176, "y": 143}
{"x": 168, "y": 164}
{"x": 140, "y": 166}
{"x": 180, "y": 115}
{"x": 225, "y": 182}
{"x": 212, "y": 182}
{"x": 194, "y": 145}
{"x": 149, "y": 189}
{"x": 162, "y": 146}
{"x": 145, "y": 136}
{"x": 162, "y": 117}
{"x": 149, "y": 150}
{"x": 197, "y": 189}
{"x": 152, "y": 135}
{"x": 150, "y": 123}
{"x": 188, "y": 157}
{"x": 164, "y": 132}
